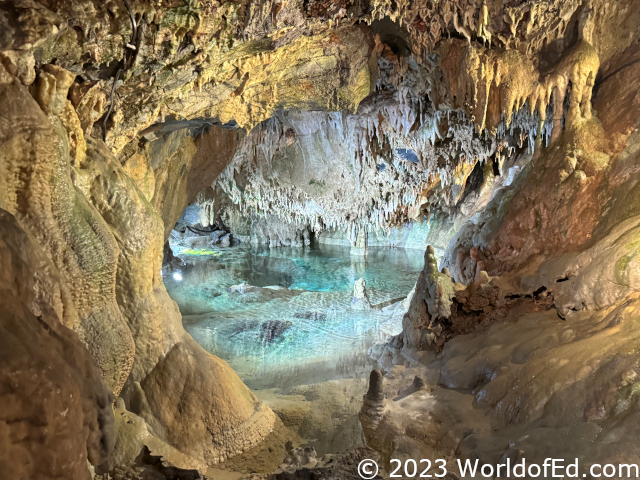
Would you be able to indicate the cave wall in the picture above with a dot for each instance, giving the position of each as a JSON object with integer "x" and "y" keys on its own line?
{"x": 95, "y": 178}
{"x": 560, "y": 229}
{"x": 375, "y": 170}
{"x": 56, "y": 409}
{"x": 38, "y": 189}
{"x": 102, "y": 220}
{"x": 531, "y": 307}
{"x": 234, "y": 62}
{"x": 172, "y": 168}
{"x": 107, "y": 239}
{"x": 410, "y": 147}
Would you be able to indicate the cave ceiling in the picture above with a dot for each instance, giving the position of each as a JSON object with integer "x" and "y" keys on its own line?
{"x": 141, "y": 64}
{"x": 322, "y": 115}
{"x": 508, "y": 127}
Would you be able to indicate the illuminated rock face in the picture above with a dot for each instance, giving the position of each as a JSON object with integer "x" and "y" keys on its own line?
{"x": 106, "y": 239}
{"x": 509, "y": 130}
{"x": 410, "y": 149}
{"x": 540, "y": 276}
{"x": 56, "y": 410}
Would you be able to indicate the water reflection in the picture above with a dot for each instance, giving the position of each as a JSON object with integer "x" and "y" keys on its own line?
{"x": 282, "y": 317}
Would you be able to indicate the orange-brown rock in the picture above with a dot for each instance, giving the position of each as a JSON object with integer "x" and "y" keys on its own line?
{"x": 56, "y": 410}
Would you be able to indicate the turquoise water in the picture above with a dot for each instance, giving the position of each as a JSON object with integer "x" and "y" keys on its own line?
{"x": 290, "y": 321}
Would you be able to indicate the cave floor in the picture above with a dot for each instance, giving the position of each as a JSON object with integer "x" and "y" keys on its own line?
{"x": 283, "y": 320}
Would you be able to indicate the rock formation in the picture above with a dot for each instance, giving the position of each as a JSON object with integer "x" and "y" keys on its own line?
{"x": 519, "y": 269}
{"x": 74, "y": 198}
{"x": 360, "y": 299}
{"x": 499, "y": 136}
{"x": 56, "y": 410}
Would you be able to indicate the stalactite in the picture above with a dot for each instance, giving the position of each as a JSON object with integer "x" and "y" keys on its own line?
{"x": 403, "y": 145}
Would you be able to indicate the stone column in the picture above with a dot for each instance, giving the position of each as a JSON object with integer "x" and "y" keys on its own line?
{"x": 360, "y": 248}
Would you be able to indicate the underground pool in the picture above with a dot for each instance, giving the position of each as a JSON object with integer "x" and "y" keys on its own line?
{"x": 282, "y": 317}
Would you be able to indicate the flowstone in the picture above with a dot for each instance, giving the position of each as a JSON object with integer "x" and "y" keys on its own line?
{"x": 502, "y": 134}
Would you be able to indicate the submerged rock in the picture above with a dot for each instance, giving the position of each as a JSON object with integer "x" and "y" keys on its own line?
{"x": 315, "y": 316}
{"x": 360, "y": 300}
{"x": 273, "y": 329}
{"x": 216, "y": 236}
{"x": 250, "y": 294}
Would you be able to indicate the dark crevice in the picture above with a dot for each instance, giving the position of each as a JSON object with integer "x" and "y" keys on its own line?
{"x": 599, "y": 82}
{"x": 539, "y": 291}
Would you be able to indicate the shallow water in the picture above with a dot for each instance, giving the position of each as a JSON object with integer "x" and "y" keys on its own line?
{"x": 299, "y": 327}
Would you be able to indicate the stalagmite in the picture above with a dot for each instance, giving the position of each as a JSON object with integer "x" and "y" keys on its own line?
{"x": 499, "y": 138}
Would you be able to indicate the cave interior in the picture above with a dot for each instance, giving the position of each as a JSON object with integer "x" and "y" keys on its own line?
{"x": 250, "y": 240}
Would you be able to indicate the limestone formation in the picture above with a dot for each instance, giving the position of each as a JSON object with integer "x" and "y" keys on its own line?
{"x": 147, "y": 465}
{"x": 300, "y": 457}
{"x": 56, "y": 410}
{"x": 496, "y": 373}
{"x": 106, "y": 239}
{"x": 373, "y": 411}
{"x": 180, "y": 166}
{"x": 500, "y": 137}
{"x": 417, "y": 385}
{"x": 360, "y": 245}
{"x": 374, "y": 394}
{"x": 45, "y": 189}
{"x": 360, "y": 300}
{"x": 525, "y": 263}
{"x": 373, "y": 406}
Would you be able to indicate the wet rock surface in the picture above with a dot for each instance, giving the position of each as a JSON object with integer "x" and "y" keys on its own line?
{"x": 504, "y": 134}
{"x": 273, "y": 330}
{"x": 56, "y": 410}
